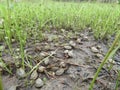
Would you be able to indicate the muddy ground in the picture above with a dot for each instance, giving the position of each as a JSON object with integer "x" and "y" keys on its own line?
{"x": 70, "y": 60}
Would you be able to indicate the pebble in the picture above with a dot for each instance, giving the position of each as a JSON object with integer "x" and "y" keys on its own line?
{"x": 85, "y": 38}
{"x": 98, "y": 46}
{"x": 54, "y": 68}
{"x": 72, "y": 43}
{"x": 20, "y": 72}
{"x": 46, "y": 61}
{"x": 94, "y": 49}
{"x": 63, "y": 30}
{"x": 34, "y": 75}
{"x": 66, "y": 51}
{"x": 2, "y": 64}
{"x": 13, "y": 40}
{"x": 43, "y": 54}
{"x": 68, "y": 47}
{"x": 53, "y": 52}
{"x": 111, "y": 61}
{"x": 2, "y": 48}
{"x": 52, "y": 37}
{"x": 99, "y": 55}
{"x": 17, "y": 49}
{"x": 12, "y": 87}
{"x": 47, "y": 47}
{"x": 39, "y": 83}
{"x": 70, "y": 53}
{"x": 62, "y": 64}
{"x": 78, "y": 41}
{"x": 41, "y": 69}
{"x": 81, "y": 34}
{"x": 59, "y": 71}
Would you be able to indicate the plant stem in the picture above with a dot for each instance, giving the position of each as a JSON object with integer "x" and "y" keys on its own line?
{"x": 105, "y": 59}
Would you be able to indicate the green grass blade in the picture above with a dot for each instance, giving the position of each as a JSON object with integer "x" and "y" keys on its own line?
{"x": 108, "y": 55}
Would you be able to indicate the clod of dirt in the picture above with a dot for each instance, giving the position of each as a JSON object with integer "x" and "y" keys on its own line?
{"x": 34, "y": 75}
{"x": 68, "y": 47}
{"x": 59, "y": 71}
{"x": 41, "y": 69}
{"x": 94, "y": 49}
{"x": 39, "y": 83}
{"x": 20, "y": 73}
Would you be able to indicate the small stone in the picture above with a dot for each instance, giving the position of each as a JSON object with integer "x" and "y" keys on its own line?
{"x": 2, "y": 64}
{"x": 13, "y": 40}
{"x": 53, "y": 52}
{"x": 43, "y": 54}
{"x": 39, "y": 83}
{"x": 99, "y": 55}
{"x": 68, "y": 47}
{"x": 70, "y": 53}
{"x": 98, "y": 46}
{"x": 111, "y": 61}
{"x": 51, "y": 73}
{"x": 37, "y": 48}
{"x": 72, "y": 76}
{"x": 81, "y": 34}
{"x": 59, "y": 71}
{"x": 72, "y": 43}
{"x": 2, "y": 48}
{"x": 6, "y": 38}
{"x": 89, "y": 28}
{"x": 20, "y": 72}
{"x": 79, "y": 69}
{"x": 78, "y": 41}
{"x": 85, "y": 38}
{"x": 46, "y": 61}
{"x": 62, "y": 64}
{"x": 47, "y": 47}
{"x": 63, "y": 30}
{"x": 54, "y": 68}
{"x": 52, "y": 37}
{"x": 41, "y": 69}
{"x": 34, "y": 75}
{"x": 94, "y": 49}
{"x": 17, "y": 49}
{"x": 12, "y": 88}
{"x": 66, "y": 51}
{"x": 17, "y": 57}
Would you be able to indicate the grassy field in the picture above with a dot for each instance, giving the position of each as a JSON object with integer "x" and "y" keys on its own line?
{"x": 33, "y": 17}
{"x": 26, "y": 20}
